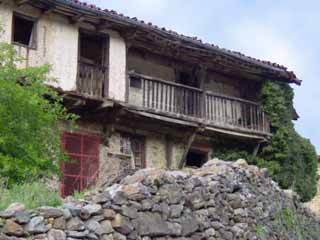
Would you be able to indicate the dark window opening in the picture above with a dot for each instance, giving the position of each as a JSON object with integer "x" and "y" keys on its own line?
{"x": 92, "y": 48}
{"x": 93, "y": 64}
{"x": 24, "y": 31}
{"x": 186, "y": 78}
{"x": 135, "y": 82}
{"x": 196, "y": 159}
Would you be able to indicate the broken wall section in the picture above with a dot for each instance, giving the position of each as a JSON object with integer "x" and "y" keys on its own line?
{"x": 123, "y": 150}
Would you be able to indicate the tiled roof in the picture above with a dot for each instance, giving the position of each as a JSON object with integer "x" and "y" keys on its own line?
{"x": 270, "y": 65}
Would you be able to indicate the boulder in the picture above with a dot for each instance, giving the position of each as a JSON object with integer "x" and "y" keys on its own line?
{"x": 16, "y": 207}
{"x": 13, "y": 229}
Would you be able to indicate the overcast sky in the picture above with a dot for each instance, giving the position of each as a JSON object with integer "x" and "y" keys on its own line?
{"x": 285, "y": 31}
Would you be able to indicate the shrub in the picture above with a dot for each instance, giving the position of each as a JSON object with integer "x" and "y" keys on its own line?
{"x": 30, "y": 113}
{"x": 296, "y": 155}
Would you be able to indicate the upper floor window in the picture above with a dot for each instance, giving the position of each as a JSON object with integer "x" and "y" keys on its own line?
{"x": 24, "y": 31}
{"x": 93, "y": 64}
{"x": 187, "y": 79}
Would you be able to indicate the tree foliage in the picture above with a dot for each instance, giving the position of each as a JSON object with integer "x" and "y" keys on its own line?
{"x": 296, "y": 155}
{"x": 290, "y": 158}
{"x": 30, "y": 113}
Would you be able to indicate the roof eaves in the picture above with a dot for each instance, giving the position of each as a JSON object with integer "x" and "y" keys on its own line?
{"x": 290, "y": 75}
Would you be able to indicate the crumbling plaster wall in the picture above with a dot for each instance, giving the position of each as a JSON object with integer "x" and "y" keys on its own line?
{"x": 113, "y": 162}
{"x": 178, "y": 150}
{"x": 117, "y": 66}
{"x": 151, "y": 65}
{"x": 220, "y": 84}
{"x": 235, "y": 87}
{"x": 156, "y": 151}
{"x": 5, "y": 22}
{"x": 57, "y": 45}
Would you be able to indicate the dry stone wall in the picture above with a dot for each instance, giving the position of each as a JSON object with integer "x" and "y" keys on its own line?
{"x": 221, "y": 200}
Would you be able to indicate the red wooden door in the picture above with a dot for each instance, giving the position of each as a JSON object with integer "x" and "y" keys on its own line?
{"x": 82, "y": 168}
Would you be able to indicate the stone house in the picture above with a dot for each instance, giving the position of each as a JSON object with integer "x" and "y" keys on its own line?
{"x": 146, "y": 96}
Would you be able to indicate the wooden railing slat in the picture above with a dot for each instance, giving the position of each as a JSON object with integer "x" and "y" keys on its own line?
{"x": 90, "y": 79}
{"x": 229, "y": 112}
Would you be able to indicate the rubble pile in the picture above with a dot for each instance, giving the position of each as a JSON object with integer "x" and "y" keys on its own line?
{"x": 221, "y": 200}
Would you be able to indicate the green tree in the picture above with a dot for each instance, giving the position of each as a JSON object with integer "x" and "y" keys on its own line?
{"x": 296, "y": 155}
{"x": 30, "y": 113}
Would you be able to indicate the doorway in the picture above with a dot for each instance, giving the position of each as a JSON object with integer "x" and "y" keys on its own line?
{"x": 81, "y": 170}
{"x": 93, "y": 64}
{"x": 196, "y": 158}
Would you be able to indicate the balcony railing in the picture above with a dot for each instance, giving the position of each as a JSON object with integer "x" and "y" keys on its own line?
{"x": 235, "y": 113}
{"x": 91, "y": 78}
{"x": 184, "y": 101}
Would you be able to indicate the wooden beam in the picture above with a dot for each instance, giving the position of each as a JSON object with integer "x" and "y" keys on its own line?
{"x": 187, "y": 148}
{"x": 256, "y": 149}
{"x": 127, "y": 86}
{"x": 49, "y": 9}
{"x": 106, "y": 104}
{"x": 21, "y": 2}
{"x": 103, "y": 25}
{"x": 78, "y": 18}
{"x": 237, "y": 133}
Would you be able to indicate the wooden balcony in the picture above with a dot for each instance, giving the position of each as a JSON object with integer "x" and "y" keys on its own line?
{"x": 91, "y": 79}
{"x": 182, "y": 101}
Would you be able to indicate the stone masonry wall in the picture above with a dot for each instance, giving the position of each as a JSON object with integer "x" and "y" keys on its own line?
{"x": 222, "y": 200}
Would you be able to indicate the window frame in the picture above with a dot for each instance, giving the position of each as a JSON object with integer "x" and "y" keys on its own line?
{"x": 142, "y": 140}
{"x": 34, "y": 33}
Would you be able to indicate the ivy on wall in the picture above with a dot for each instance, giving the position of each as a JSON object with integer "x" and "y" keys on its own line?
{"x": 290, "y": 158}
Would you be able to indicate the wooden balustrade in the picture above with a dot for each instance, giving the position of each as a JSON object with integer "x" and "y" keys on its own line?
{"x": 91, "y": 78}
{"x": 234, "y": 112}
{"x": 215, "y": 109}
{"x": 169, "y": 97}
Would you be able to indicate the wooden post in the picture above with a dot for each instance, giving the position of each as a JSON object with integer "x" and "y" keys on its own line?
{"x": 256, "y": 149}
{"x": 128, "y": 45}
{"x": 202, "y": 77}
{"x": 106, "y": 66}
{"x": 188, "y": 145}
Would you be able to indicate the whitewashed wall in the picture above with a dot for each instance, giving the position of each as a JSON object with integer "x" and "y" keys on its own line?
{"x": 57, "y": 45}
{"x": 117, "y": 66}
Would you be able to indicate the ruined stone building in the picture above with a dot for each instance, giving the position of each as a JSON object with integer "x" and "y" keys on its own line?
{"x": 146, "y": 96}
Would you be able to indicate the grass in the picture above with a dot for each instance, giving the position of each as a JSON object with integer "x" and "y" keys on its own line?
{"x": 32, "y": 195}
{"x": 261, "y": 231}
{"x": 78, "y": 195}
{"x": 81, "y": 194}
